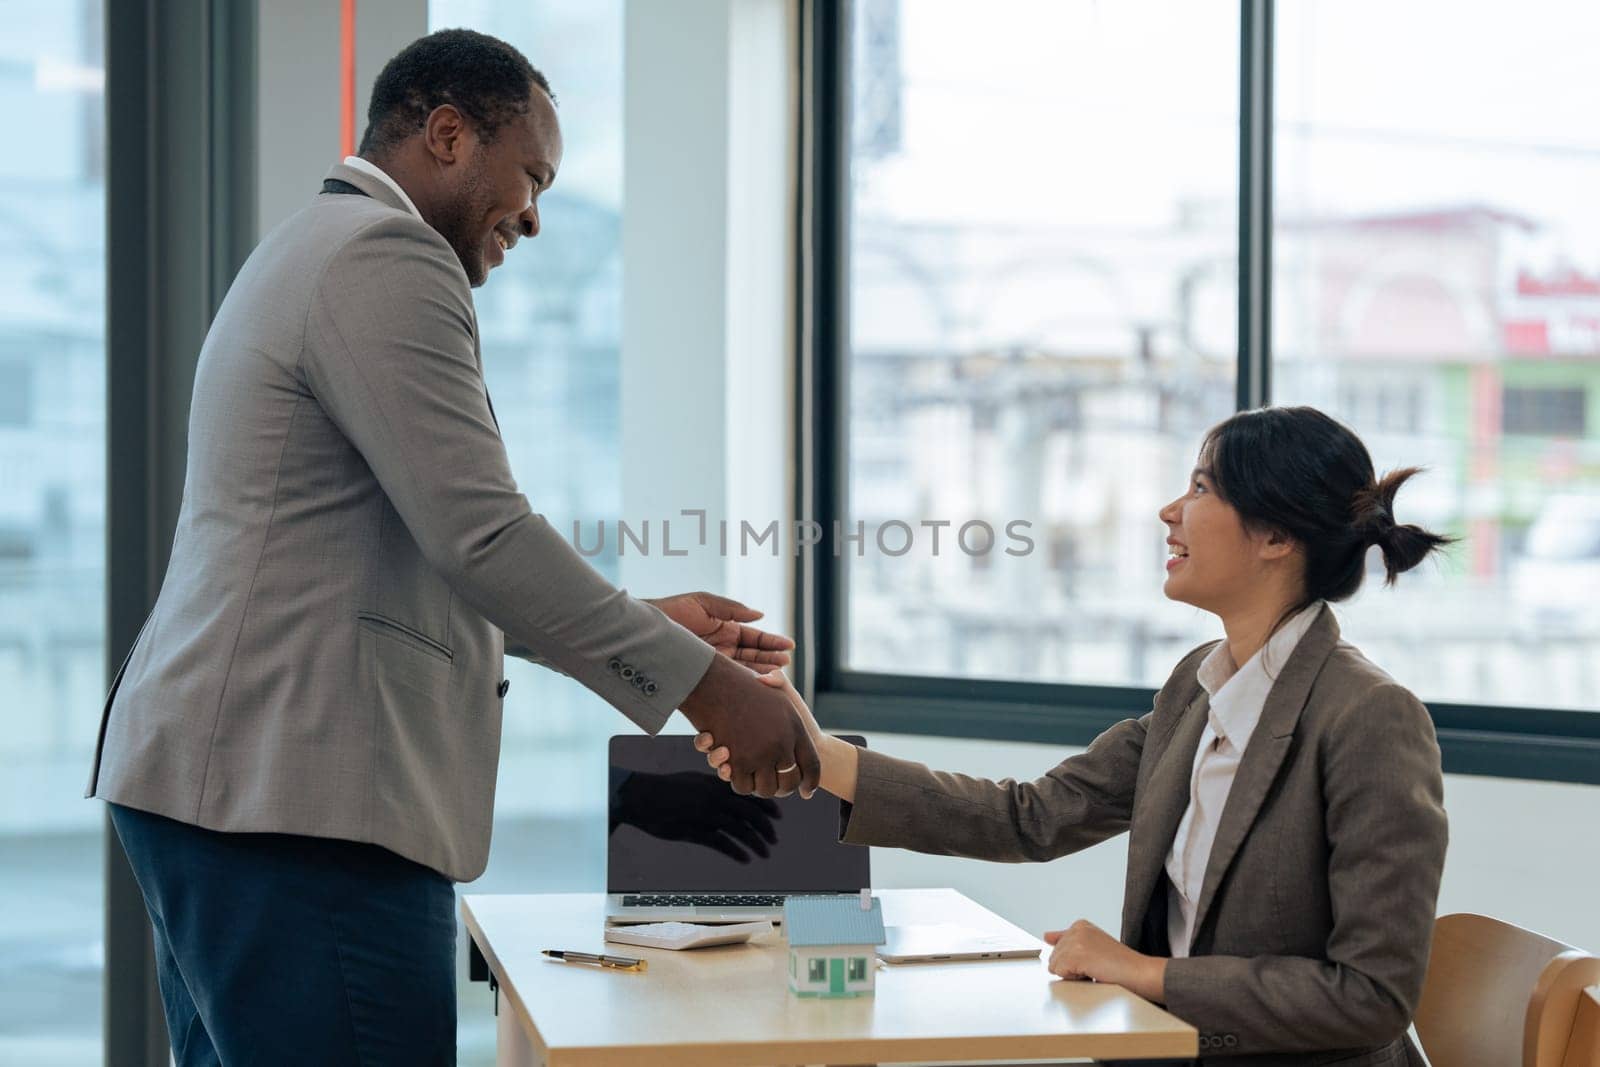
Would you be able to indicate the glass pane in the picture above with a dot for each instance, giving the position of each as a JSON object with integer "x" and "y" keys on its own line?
{"x": 1437, "y": 285}
{"x": 551, "y": 325}
{"x": 52, "y": 531}
{"x": 1043, "y": 317}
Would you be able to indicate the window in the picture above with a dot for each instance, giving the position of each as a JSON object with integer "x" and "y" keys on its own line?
{"x": 52, "y": 533}
{"x": 16, "y": 392}
{"x": 1547, "y": 412}
{"x": 1036, "y": 232}
{"x": 817, "y": 969}
{"x": 1041, "y": 286}
{"x": 1444, "y": 243}
{"x": 857, "y": 971}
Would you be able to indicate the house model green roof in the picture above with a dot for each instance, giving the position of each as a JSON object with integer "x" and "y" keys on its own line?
{"x": 832, "y": 920}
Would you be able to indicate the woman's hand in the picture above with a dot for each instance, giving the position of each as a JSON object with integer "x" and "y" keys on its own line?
{"x": 838, "y": 757}
{"x": 1083, "y": 950}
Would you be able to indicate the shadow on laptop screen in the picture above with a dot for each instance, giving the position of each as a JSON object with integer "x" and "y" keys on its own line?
{"x": 684, "y": 846}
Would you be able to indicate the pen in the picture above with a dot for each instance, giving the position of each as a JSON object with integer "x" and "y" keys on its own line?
{"x": 616, "y": 963}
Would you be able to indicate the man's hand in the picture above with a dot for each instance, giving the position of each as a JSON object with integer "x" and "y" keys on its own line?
{"x": 720, "y": 623}
{"x": 1083, "y": 950}
{"x": 837, "y": 756}
{"x": 772, "y": 753}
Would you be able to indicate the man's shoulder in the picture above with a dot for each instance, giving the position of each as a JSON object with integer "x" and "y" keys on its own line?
{"x": 335, "y": 228}
{"x": 351, "y": 214}
{"x": 344, "y": 248}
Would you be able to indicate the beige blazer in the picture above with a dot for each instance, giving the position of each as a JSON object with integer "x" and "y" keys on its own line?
{"x": 1313, "y": 925}
{"x": 352, "y": 558}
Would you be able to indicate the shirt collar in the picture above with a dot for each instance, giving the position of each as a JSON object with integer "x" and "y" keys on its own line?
{"x": 1238, "y": 694}
{"x": 367, "y": 167}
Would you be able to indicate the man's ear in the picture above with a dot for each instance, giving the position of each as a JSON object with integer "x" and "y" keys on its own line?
{"x": 446, "y": 134}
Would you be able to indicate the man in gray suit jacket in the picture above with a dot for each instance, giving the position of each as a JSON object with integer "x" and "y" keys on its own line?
{"x": 301, "y": 749}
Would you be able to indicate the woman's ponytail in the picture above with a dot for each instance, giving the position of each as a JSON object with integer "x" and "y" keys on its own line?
{"x": 1403, "y": 545}
{"x": 1300, "y": 472}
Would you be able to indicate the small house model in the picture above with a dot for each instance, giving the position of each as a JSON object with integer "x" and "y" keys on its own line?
{"x": 833, "y": 944}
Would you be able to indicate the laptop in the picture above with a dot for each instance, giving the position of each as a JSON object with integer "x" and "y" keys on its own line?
{"x": 684, "y": 847}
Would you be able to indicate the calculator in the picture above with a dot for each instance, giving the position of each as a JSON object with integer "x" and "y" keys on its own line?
{"x": 685, "y": 935}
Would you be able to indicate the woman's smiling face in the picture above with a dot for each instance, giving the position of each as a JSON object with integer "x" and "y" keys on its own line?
{"x": 1215, "y": 561}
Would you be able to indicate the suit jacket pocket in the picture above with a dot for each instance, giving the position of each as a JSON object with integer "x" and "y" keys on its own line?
{"x": 406, "y": 635}
{"x": 407, "y": 679}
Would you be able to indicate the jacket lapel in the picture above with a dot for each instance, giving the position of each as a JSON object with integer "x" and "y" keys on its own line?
{"x": 1265, "y": 753}
{"x": 1158, "y": 808}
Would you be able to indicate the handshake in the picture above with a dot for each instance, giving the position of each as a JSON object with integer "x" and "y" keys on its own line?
{"x": 765, "y": 736}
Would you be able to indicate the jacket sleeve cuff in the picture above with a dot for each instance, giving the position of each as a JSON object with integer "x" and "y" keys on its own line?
{"x": 882, "y": 802}
{"x": 681, "y": 660}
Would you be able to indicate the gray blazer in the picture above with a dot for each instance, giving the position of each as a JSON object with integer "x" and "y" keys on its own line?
{"x": 1313, "y": 926}
{"x": 325, "y": 654}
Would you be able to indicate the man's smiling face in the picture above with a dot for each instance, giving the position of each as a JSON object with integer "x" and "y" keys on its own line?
{"x": 494, "y": 199}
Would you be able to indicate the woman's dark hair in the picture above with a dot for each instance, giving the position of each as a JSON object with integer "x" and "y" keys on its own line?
{"x": 1297, "y": 471}
{"x": 488, "y": 80}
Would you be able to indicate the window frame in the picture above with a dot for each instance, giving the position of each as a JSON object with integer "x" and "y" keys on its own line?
{"x": 181, "y": 200}
{"x": 1546, "y": 744}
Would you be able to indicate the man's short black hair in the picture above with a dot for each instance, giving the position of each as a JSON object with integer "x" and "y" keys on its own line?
{"x": 488, "y": 80}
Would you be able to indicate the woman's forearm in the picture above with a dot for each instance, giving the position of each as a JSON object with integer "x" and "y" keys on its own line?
{"x": 839, "y": 768}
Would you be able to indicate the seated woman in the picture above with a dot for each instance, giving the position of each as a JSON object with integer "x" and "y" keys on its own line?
{"x": 1283, "y": 797}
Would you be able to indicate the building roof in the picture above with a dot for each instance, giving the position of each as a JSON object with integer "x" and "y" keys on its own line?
{"x": 832, "y": 920}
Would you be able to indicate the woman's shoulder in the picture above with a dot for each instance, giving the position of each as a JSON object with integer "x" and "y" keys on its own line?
{"x": 1350, "y": 690}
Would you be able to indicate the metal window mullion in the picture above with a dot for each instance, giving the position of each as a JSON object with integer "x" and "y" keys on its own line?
{"x": 1255, "y": 204}
{"x": 823, "y": 393}
{"x": 180, "y": 216}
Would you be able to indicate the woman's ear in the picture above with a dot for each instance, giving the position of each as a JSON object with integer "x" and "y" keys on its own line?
{"x": 1275, "y": 544}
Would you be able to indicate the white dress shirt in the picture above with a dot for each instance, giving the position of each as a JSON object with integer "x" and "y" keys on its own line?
{"x": 1238, "y": 695}
{"x": 372, "y": 169}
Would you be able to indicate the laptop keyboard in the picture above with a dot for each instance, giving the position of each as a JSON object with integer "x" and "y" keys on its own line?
{"x": 703, "y": 900}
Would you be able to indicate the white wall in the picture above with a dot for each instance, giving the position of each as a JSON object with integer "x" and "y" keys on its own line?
{"x": 1520, "y": 851}
{"x": 674, "y": 310}
{"x": 705, "y": 289}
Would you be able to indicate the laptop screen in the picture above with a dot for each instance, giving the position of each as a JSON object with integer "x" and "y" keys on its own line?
{"x": 676, "y": 827}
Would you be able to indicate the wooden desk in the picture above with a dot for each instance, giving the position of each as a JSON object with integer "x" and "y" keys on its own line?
{"x": 732, "y": 1006}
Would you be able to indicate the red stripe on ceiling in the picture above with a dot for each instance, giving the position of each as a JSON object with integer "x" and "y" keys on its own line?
{"x": 347, "y": 77}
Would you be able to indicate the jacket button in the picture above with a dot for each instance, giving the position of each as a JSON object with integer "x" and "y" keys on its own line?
{"x": 649, "y": 689}
{"x": 639, "y": 681}
{"x": 1228, "y": 1040}
{"x": 628, "y": 673}
{"x": 1206, "y": 1040}
{"x": 614, "y": 666}
{"x": 503, "y": 688}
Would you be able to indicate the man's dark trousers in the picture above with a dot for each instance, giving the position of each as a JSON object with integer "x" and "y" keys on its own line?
{"x": 276, "y": 949}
